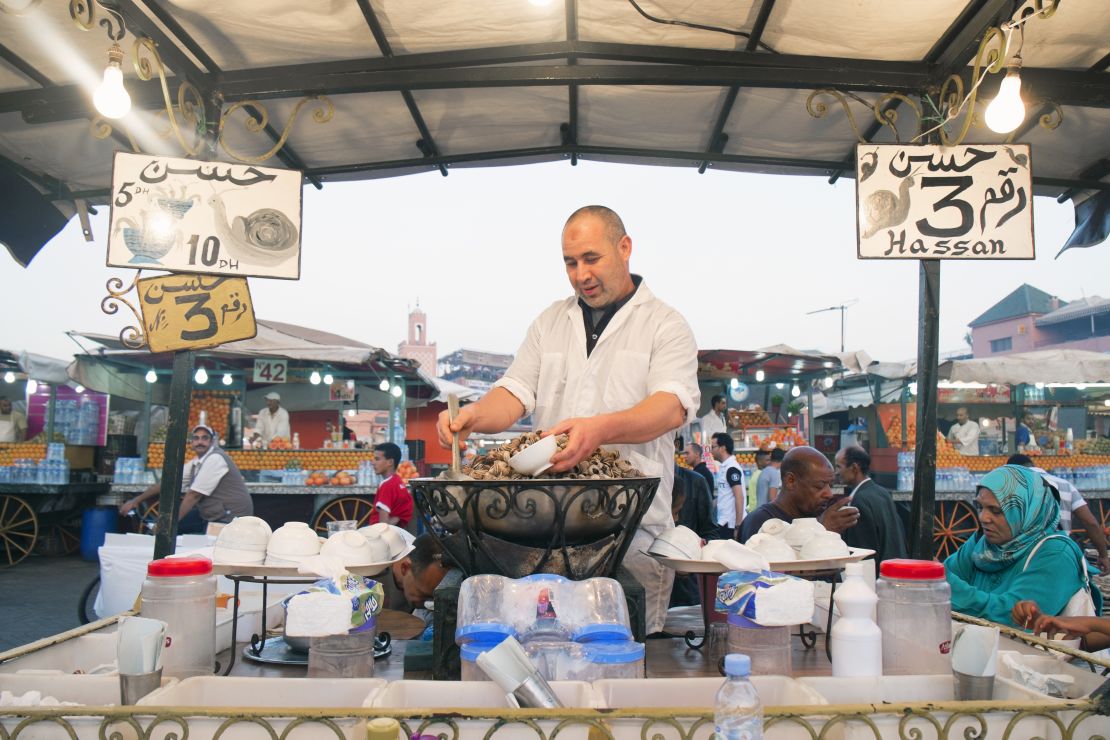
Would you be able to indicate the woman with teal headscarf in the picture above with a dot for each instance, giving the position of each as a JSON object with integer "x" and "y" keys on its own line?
{"x": 1015, "y": 558}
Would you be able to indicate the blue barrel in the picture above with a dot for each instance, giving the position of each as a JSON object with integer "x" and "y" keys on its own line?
{"x": 95, "y": 524}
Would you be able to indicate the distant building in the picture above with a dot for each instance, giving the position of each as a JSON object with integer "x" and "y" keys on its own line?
{"x": 417, "y": 347}
{"x": 1030, "y": 319}
{"x": 474, "y": 369}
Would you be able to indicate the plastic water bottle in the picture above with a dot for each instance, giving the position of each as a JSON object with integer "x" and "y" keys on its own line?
{"x": 738, "y": 713}
{"x": 857, "y": 642}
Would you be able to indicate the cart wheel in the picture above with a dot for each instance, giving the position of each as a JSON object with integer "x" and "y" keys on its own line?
{"x": 342, "y": 509}
{"x": 956, "y": 522}
{"x": 85, "y": 611}
{"x": 19, "y": 528}
{"x": 59, "y": 539}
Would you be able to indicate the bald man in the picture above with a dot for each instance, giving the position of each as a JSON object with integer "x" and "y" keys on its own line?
{"x": 611, "y": 365}
{"x": 806, "y": 491}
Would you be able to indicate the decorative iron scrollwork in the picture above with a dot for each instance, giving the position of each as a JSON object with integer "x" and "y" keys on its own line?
{"x": 189, "y": 99}
{"x": 84, "y": 14}
{"x": 882, "y": 110}
{"x": 131, "y": 335}
{"x": 259, "y": 120}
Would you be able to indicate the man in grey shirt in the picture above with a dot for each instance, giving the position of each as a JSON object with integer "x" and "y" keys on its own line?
{"x": 770, "y": 480}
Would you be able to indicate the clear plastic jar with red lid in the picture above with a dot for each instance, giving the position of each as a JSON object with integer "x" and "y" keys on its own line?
{"x": 915, "y": 616}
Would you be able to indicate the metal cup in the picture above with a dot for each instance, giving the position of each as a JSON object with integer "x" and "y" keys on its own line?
{"x": 973, "y": 688}
{"x": 135, "y": 686}
{"x": 536, "y": 693}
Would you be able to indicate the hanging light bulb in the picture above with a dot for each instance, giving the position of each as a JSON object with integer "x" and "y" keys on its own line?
{"x": 328, "y": 379}
{"x": 795, "y": 391}
{"x": 314, "y": 378}
{"x": 828, "y": 382}
{"x": 1038, "y": 386}
{"x": 151, "y": 376}
{"x": 111, "y": 97}
{"x": 350, "y": 413}
{"x": 780, "y": 386}
{"x": 1006, "y": 112}
{"x": 734, "y": 383}
{"x": 32, "y": 386}
{"x": 80, "y": 388}
{"x": 227, "y": 379}
{"x": 201, "y": 376}
{"x": 396, "y": 391}
{"x": 350, "y": 385}
{"x": 9, "y": 377}
{"x": 384, "y": 386}
{"x": 1106, "y": 402}
{"x": 913, "y": 388}
{"x": 759, "y": 376}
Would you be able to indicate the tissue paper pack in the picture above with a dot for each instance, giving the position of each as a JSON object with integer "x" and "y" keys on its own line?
{"x": 357, "y": 597}
{"x": 767, "y": 598}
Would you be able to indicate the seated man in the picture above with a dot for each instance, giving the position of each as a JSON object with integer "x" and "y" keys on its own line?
{"x": 879, "y": 528}
{"x": 214, "y": 489}
{"x": 1020, "y": 554}
{"x": 806, "y": 492}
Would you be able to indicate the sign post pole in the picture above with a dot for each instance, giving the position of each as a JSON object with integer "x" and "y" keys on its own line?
{"x": 925, "y": 459}
{"x": 177, "y": 436}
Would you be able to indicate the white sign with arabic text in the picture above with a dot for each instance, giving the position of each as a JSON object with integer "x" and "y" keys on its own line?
{"x": 973, "y": 201}
{"x": 216, "y": 218}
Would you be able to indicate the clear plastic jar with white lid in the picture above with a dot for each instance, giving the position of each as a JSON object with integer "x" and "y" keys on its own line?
{"x": 915, "y": 616}
{"x": 182, "y": 593}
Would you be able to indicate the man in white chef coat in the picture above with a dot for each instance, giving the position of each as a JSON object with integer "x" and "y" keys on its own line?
{"x": 273, "y": 421}
{"x": 964, "y": 434}
{"x": 612, "y": 365}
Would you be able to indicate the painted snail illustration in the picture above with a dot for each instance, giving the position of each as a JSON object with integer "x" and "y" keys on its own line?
{"x": 265, "y": 235}
{"x": 884, "y": 209}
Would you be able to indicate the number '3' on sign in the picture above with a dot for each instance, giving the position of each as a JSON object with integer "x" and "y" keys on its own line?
{"x": 195, "y": 311}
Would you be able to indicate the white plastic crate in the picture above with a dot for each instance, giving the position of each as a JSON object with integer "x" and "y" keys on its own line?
{"x": 79, "y": 655}
{"x": 221, "y": 691}
{"x": 698, "y": 694}
{"x": 480, "y": 695}
{"x": 901, "y": 689}
{"x": 99, "y": 691}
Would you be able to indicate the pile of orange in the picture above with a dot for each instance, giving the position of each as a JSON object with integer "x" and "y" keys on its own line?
{"x": 755, "y": 417}
{"x": 216, "y": 406}
{"x": 783, "y": 437}
{"x": 10, "y": 452}
{"x": 407, "y": 471}
{"x": 320, "y": 478}
{"x": 279, "y": 443}
{"x": 281, "y": 459}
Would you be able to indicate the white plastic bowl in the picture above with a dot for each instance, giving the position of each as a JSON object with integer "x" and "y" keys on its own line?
{"x": 393, "y": 537}
{"x": 801, "y": 530}
{"x": 535, "y": 458}
{"x": 774, "y": 527}
{"x": 245, "y": 533}
{"x": 684, "y": 540}
{"x": 771, "y": 547}
{"x": 824, "y": 545}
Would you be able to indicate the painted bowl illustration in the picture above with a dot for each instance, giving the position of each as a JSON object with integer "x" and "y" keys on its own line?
{"x": 176, "y": 207}
{"x": 145, "y": 249}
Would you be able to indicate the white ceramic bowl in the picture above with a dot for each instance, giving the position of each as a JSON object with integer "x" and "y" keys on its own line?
{"x": 293, "y": 541}
{"x": 535, "y": 458}
{"x": 801, "y": 530}
{"x": 392, "y": 536}
{"x": 245, "y": 533}
{"x": 684, "y": 540}
{"x": 666, "y": 550}
{"x": 771, "y": 547}
{"x": 774, "y": 527}
{"x": 353, "y": 549}
{"x": 236, "y": 556}
{"x": 824, "y": 545}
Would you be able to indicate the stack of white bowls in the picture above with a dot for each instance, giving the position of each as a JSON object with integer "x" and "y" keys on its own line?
{"x": 681, "y": 543}
{"x": 352, "y": 549}
{"x": 242, "y": 542}
{"x": 291, "y": 543}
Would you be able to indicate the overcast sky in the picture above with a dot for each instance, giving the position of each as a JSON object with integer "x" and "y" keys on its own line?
{"x": 743, "y": 257}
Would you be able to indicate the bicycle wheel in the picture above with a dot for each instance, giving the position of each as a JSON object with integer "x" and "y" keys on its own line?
{"x": 85, "y": 611}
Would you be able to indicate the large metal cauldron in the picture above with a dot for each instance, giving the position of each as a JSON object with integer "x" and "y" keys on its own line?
{"x": 575, "y": 528}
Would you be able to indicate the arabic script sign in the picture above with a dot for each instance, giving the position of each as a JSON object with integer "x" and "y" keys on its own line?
{"x": 185, "y": 215}
{"x": 931, "y": 202}
{"x": 195, "y": 311}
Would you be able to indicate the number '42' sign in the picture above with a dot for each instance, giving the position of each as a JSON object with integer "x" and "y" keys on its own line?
{"x": 195, "y": 311}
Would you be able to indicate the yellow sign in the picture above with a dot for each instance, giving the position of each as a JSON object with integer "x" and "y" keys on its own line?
{"x": 195, "y": 311}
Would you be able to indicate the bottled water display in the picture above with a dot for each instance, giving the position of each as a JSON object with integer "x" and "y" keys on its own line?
{"x": 905, "y": 471}
{"x": 366, "y": 475}
{"x": 737, "y": 713}
{"x": 130, "y": 471}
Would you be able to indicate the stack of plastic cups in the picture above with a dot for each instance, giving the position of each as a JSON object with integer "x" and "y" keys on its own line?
{"x": 768, "y": 647}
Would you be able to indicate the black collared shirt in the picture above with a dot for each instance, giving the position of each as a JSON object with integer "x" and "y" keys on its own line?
{"x": 596, "y": 319}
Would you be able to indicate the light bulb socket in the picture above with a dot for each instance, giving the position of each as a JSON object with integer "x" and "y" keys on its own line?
{"x": 115, "y": 55}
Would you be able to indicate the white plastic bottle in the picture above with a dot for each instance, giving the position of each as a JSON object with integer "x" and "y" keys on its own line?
{"x": 738, "y": 713}
{"x": 857, "y": 642}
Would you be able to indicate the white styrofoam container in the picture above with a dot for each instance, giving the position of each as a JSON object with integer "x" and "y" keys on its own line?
{"x": 699, "y": 694}
{"x": 100, "y": 691}
{"x": 480, "y": 695}
{"x": 78, "y": 655}
{"x": 900, "y": 689}
{"x": 229, "y": 691}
